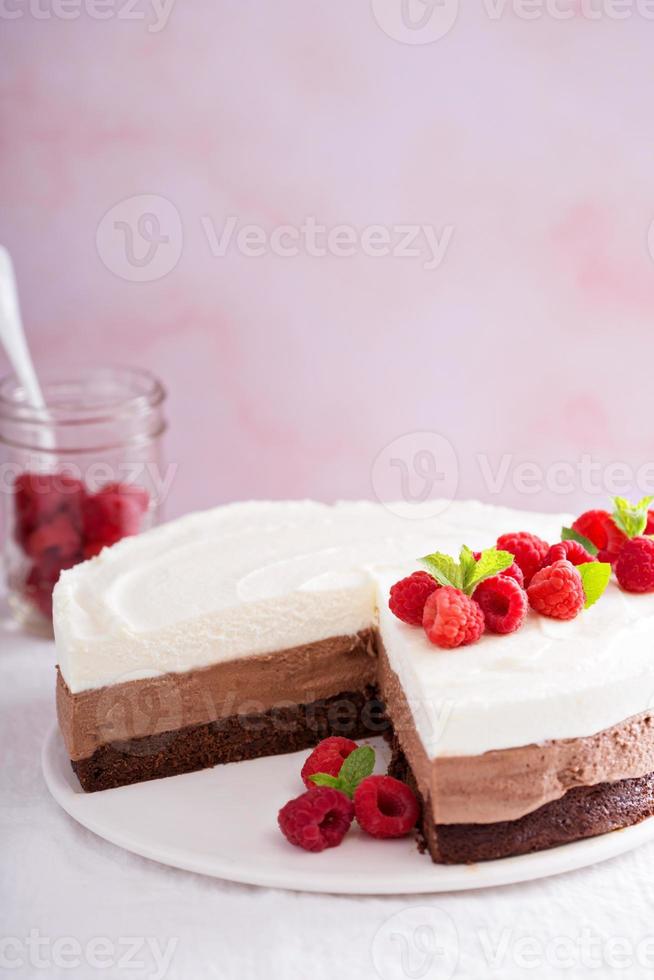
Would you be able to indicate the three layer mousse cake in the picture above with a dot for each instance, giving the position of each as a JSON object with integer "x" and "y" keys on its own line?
{"x": 260, "y": 628}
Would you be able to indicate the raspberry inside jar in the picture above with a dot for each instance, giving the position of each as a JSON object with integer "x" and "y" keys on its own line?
{"x": 77, "y": 478}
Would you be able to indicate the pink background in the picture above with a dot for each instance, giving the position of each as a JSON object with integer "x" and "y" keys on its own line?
{"x": 288, "y": 376}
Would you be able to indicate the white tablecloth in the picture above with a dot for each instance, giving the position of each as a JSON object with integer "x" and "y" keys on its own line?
{"x": 72, "y": 905}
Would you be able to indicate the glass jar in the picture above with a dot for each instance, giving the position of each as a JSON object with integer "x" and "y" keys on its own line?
{"x": 76, "y": 477}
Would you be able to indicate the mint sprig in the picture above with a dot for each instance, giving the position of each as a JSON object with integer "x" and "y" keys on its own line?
{"x": 356, "y": 767}
{"x": 468, "y": 572}
{"x": 569, "y": 534}
{"x": 445, "y": 569}
{"x": 631, "y": 518}
{"x": 491, "y": 562}
{"x": 595, "y": 577}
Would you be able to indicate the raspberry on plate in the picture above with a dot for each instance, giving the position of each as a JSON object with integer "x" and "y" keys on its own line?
{"x": 503, "y": 603}
{"x": 649, "y": 529}
{"x": 451, "y": 619}
{"x": 557, "y": 591}
{"x": 317, "y": 819}
{"x": 574, "y": 552}
{"x": 385, "y": 807}
{"x": 408, "y": 597}
{"x": 528, "y": 550}
{"x": 328, "y": 756}
{"x": 634, "y": 567}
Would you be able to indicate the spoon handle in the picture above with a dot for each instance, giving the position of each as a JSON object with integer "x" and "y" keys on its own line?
{"x": 13, "y": 335}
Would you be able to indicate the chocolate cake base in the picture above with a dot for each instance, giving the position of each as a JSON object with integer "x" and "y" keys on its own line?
{"x": 585, "y": 811}
{"x": 353, "y": 714}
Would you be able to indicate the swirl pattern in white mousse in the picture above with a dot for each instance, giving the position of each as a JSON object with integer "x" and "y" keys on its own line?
{"x": 258, "y": 577}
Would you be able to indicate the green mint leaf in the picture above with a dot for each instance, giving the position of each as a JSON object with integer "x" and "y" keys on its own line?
{"x": 631, "y": 518}
{"x": 491, "y": 562}
{"x": 595, "y": 577}
{"x": 324, "y": 779}
{"x": 356, "y": 767}
{"x": 444, "y": 569}
{"x": 569, "y": 534}
{"x": 467, "y": 563}
{"x": 467, "y": 573}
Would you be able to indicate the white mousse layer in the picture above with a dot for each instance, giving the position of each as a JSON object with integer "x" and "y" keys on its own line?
{"x": 254, "y": 578}
{"x": 550, "y": 680}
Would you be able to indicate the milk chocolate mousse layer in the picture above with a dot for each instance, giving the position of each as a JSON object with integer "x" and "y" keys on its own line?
{"x": 504, "y": 785}
{"x": 584, "y": 811}
{"x": 239, "y": 709}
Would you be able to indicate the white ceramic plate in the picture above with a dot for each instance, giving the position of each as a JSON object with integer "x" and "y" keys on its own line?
{"x": 223, "y": 822}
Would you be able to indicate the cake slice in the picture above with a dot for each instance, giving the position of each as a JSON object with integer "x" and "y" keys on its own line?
{"x": 241, "y": 632}
{"x": 260, "y": 628}
{"x": 518, "y": 743}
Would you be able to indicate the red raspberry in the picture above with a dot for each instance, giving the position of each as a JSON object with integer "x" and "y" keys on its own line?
{"x": 513, "y": 571}
{"x": 138, "y": 494}
{"x": 528, "y": 550}
{"x": 634, "y": 567}
{"x": 571, "y": 551}
{"x": 593, "y": 524}
{"x": 451, "y": 619}
{"x": 599, "y": 527}
{"x": 328, "y": 756}
{"x": 385, "y": 807}
{"x": 114, "y": 512}
{"x": 317, "y": 819}
{"x": 557, "y": 591}
{"x": 39, "y": 497}
{"x": 650, "y": 523}
{"x": 92, "y": 548}
{"x": 503, "y": 603}
{"x": 42, "y": 579}
{"x": 55, "y": 539}
{"x": 408, "y": 597}
{"x": 615, "y": 542}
